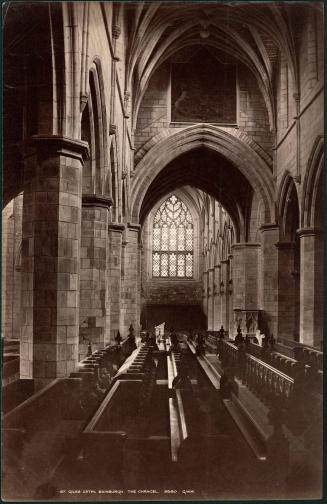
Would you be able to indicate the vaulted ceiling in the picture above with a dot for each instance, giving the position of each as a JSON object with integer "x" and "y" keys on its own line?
{"x": 254, "y": 34}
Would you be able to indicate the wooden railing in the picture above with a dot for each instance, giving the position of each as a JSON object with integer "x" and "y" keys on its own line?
{"x": 308, "y": 355}
{"x": 267, "y": 381}
{"x": 305, "y": 367}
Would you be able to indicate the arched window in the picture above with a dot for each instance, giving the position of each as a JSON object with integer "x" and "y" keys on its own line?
{"x": 172, "y": 246}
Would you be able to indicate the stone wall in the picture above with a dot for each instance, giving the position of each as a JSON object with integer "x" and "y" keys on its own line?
{"x": 173, "y": 292}
{"x": 154, "y": 112}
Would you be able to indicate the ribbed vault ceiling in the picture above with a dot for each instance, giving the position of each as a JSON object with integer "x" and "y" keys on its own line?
{"x": 254, "y": 34}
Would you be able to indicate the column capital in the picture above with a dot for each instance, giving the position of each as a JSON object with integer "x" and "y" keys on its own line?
{"x": 211, "y": 270}
{"x": 112, "y": 129}
{"x": 224, "y": 261}
{"x": 285, "y": 245}
{"x": 217, "y": 266}
{"x": 116, "y": 226}
{"x": 133, "y": 226}
{"x": 96, "y": 200}
{"x": 240, "y": 246}
{"x": 269, "y": 227}
{"x": 309, "y": 231}
{"x": 60, "y": 145}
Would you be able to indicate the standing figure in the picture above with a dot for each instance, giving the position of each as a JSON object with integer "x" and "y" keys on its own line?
{"x": 239, "y": 337}
{"x": 131, "y": 338}
{"x": 118, "y": 338}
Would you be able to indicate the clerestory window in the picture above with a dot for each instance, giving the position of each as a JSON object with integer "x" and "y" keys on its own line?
{"x": 172, "y": 245}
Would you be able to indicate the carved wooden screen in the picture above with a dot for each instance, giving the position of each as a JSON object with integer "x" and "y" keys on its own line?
{"x": 172, "y": 246}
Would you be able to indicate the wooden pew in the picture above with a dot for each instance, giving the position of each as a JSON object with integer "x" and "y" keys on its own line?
{"x": 211, "y": 372}
{"x": 109, "y": 427}
{"x": 134, "y": 365}
{"x": 212, "y": 342}
{"x": 121, "y": 412}
{"x": 37, "y": 432}
{"x": 251, "y": 431}
{"x": 178, "y": 425}
{"x": 171, "y": 370}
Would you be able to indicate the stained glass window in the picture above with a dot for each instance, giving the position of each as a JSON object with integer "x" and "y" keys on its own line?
{"x": 172, "y": 255}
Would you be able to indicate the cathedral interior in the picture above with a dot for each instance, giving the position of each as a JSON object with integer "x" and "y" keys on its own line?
{"x": 162, "y": 235}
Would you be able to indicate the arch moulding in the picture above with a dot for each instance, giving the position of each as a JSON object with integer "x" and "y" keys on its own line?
{"x": 240, "y": 154}
{"x": 311, "y": 182}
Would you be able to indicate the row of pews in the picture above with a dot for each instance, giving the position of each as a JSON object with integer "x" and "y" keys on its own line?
{"x": 44, "y": 429}
{"x": 164, "y": 406}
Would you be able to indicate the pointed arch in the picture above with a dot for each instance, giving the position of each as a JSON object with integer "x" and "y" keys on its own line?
{"x": 312, "y": 184}
{"x": 288, "y": 207}
{"x": 240, "y": 154}
{"x": 94, "y": 130}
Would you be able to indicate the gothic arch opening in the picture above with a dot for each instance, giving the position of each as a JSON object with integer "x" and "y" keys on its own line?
{"x": 172, "y": 277}
{"x": 243, "y": 158}
{"x": 289, "y": 262}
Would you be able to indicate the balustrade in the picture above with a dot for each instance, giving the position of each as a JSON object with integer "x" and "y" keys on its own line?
{"x": 308, "y": 355}
{"x": 304, "y": 368}
{"x": 265, "y": 380}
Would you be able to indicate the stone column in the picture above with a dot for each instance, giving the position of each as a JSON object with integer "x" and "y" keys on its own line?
{"x": 210, "y": 298}
{"x": 115, "y": 231}
{"x": 51, "y": 257}
{"x": 17, "y": 293}
{"x": 224, "y": 294}
{"x": 217, "y": 299}
{"x": 94, "y": 313}
{"x": 7, "y": 269}
{"x": 11, "y": 268}
{"x": 139, "y": 280}
{"x": 286, "y": 313}
{"x": 268, "y": 275}
{"x": 311, "y": 286}
{"x": 205, "y": 293}
{"x": 230, "y": 296}
{"x": 130, "y": 284}
{"x": 245, "y": 281}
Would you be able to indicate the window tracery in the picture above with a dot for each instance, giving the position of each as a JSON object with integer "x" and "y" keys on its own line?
{"x": 172, "y": 245}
